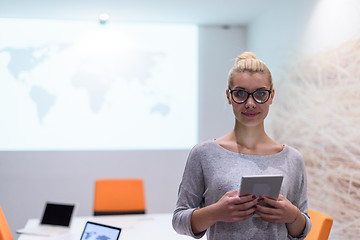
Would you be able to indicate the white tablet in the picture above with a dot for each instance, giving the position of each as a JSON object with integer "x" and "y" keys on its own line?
{"x": 261, "y": 185}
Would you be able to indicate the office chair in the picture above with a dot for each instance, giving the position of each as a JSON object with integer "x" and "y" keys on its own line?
{"x": 320, "y": 226}
{"x": 119, "y": 196}
{"x": 5, "y": 232}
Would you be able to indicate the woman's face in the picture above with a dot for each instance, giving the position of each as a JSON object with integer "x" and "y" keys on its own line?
{"x": 250, "y": 113}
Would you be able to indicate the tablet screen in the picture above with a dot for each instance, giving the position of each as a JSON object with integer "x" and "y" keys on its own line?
{"x": 58, "y": 214}
{"x": 94, "y": 231}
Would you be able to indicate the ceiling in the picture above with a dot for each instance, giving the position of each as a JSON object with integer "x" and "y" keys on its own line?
{"x": 201, "y": 12}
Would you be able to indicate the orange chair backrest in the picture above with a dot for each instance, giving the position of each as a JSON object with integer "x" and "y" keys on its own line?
{"x": 320, "y": 225}
{"x": 5, "y": 232}
{"x": 119, "y": 196}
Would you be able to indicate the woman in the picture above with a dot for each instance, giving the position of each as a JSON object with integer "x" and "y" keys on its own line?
{"x": 209, "y": 199}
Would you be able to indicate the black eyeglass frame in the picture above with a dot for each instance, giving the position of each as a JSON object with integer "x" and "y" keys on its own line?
{"x": 249, "y": 94}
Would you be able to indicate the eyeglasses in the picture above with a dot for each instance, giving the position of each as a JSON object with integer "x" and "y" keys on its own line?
{"x": 241, "y": 96}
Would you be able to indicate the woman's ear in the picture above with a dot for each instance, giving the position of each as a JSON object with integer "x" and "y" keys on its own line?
{"x": 272, "y": 95}
{"x": 228, "y": 96}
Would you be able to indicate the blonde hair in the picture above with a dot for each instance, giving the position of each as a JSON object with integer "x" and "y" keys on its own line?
{"x": 247, "y": 61}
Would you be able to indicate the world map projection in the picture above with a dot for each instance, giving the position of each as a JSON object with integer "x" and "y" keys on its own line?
{"x": 70, "y": 85}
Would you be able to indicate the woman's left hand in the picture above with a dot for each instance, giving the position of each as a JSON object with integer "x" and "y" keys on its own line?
{"x": 282, "y": 210}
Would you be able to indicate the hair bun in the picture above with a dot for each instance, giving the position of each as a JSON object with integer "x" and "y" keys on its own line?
{"x": 247, "y": 62}
{"x": 246, "y": 55}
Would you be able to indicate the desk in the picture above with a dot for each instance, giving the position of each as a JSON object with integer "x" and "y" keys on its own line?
{"x": 133, "y": 227}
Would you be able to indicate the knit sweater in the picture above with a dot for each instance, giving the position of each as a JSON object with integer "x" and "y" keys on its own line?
{"x": 211, "y": 171}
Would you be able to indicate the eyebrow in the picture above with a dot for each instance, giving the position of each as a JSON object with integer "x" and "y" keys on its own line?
{"x": 241, "y": 88}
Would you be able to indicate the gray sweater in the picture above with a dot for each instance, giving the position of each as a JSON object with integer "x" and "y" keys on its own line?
{"x": 211, "y": 171}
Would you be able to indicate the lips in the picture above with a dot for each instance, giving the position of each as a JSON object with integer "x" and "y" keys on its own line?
{"x": 250, "y": 114}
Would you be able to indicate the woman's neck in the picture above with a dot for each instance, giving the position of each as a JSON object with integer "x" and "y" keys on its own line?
{"x": 249, "y": 137}
{"x": 249, "y": 140}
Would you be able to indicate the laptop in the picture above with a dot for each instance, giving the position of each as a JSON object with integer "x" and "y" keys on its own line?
{"x": 55, "y": 221}
{"x": 93, "y": 231}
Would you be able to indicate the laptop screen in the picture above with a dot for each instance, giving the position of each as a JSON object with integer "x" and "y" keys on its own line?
{"x": 57, "y": 214}
{"x": 94, "y": 230}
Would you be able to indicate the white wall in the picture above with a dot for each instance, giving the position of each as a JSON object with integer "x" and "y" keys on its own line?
{"x": 28, "y": 179}
{"x": 276, "y": 36}
{"x": 218, "y": 49}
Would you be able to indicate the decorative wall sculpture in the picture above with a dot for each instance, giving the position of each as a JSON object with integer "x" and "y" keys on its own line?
{"x": 317, "y": 110}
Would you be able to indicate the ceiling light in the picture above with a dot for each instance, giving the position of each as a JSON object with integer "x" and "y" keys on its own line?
{"x": 103, "y": 18}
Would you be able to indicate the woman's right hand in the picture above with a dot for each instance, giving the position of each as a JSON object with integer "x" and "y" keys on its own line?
{"x": 232, "y": 208}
